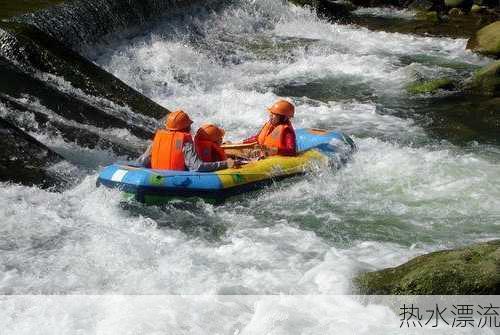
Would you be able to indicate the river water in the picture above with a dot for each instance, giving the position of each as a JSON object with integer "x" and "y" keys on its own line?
{"x": 406, "y": 192}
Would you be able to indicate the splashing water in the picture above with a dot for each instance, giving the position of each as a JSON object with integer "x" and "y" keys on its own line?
{"x": 404, "y": 194}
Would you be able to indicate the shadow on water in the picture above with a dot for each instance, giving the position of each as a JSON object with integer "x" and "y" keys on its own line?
{"x": 326, "y": 203}
{"x": 194, "y": 217}
{"x": 460, "y": 119}
{"x": 430, "y": 60}
{"x": 328, "y": 89}
{"x": 207, "y": 218}
{"x": 456, "y": 118}
{"x": 401, "y": 229}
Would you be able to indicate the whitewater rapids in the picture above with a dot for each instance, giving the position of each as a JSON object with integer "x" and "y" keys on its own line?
{"x": 404, "y": 194}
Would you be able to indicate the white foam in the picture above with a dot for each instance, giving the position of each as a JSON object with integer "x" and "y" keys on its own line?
{"x": 308, "y": 236}
{"x": 388, "y": 12}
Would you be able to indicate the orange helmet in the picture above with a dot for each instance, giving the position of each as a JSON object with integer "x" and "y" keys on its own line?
{"x": 178, "y": 120}
{"x": 210, "y": 132}
{"x": 282, "y": 107}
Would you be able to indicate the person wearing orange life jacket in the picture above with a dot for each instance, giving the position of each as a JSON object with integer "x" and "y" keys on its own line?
{"x": 207, "y": 142}
{"x": 277, "y": 136}
{"x": 172, "y": 148}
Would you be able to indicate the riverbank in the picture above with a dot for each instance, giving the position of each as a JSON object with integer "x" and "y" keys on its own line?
{"x": 424, "y": 18}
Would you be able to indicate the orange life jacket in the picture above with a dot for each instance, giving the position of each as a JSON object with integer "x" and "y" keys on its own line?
{"x": 209, "y": 151}
{"x": 166, "y": 153}
{"x": 273, "y": 137}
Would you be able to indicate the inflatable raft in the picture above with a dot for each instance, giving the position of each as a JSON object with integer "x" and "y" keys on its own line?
{"x": 315, "y": 147}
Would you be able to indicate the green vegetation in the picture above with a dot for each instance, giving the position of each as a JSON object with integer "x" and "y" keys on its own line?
{"x": 470, "y": 270}
{"x": 485, "y": 81}
{"x": 431, "y": 86}
{"x": 10, "y": 8}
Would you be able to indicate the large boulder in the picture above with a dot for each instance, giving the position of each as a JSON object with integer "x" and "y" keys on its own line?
{"x": 466, "y": 4}
{"x": 470, "y": 270}
{"x": 486, "y": 81}
{"x": 25, "y": 160}
{"x": 486, "y": 40}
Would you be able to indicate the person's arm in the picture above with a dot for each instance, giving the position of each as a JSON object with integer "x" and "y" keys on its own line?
{"x": 290, "y": 148}
{"x": 145, "y": 158}
{"x": 194, "y": 163}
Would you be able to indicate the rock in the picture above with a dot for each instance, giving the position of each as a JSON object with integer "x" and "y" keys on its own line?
{"x": 470, "y": 270}
{"x": 476, "y": 9}
{"x": 43, "y": 53}
{"x": 486, "y": 81}
{"x": 431, "y": 86}
{"x": 16, "y": 83}
{"x": 35, "y": 119}
{"x": 12, "y": 8}
{"x": 424, "y": 6}
{"x": 466, "y": 4}
{"x": 335, "y": 9}
{"x": 430, "y": 17}
{"x": 453, "y": 3}
{"x": 421, "y": 5}
{"x": 433, "y": 17}
{"x": 454, "y": 12}
{"x": 25, "y": 160}
{"x": 486, "y": 40}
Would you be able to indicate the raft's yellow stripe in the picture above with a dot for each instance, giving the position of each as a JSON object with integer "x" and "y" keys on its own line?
{"x": 270, "y": 167}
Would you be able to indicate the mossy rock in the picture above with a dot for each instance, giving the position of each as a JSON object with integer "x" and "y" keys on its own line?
{"x": 453, "y": 3}
{"x": 431, "y": 86}
{"x": 470, "y": 270}
{"x": 486, "y": 40}
{"x": 476, "y": 9}
{"x": 485, "y": 81}
{"x": 421, "y": 5}
{"x": 430, "y": 17}
{"x": 463, "y": 4}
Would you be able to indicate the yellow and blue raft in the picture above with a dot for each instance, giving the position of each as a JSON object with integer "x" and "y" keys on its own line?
{"x": 157, "y": 186}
